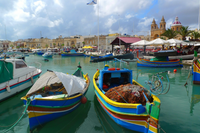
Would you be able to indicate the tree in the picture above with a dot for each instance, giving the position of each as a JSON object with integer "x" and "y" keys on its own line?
{"x": 169, "y": 33}
{"x": 195, "y": 35}
{"x": 184, "y": 31}
{"x": 12, "y": 46}
{"x": 83, "y": 44}
{"x": 54, "y": 45}
{"x": 18, "y": 47}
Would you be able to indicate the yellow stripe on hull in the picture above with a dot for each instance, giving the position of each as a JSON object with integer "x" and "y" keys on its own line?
{"x": 34, "y": 114}
{"x": 153, "y": 129}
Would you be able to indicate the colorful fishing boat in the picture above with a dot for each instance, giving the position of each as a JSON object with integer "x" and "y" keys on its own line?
{"x": 55, "y": 94}
{"x": 48, "y": 55}
{"x": 196, "y": 69}
{"x": 158, "y": 61}
{"x": 16, "y": 76}
{"x": 96, "y": 56}
{"x": 133, "y": 115}
{"x": 72, "y": 53}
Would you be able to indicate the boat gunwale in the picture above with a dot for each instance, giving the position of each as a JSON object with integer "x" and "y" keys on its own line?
{"x": 65, "y": 98}
{"x": 118, "y": 104}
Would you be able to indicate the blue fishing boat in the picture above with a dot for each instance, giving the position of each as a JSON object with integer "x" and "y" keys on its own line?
{"x": 52, "y": 96}
{"x": 40, "y": 52}
{"x": 121, "y": 98}
{"x": 72, "y": 53}
{"x": 48, "y": 55}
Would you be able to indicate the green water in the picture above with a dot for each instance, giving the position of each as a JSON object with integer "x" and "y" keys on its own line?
{"x": 180, "y": 107}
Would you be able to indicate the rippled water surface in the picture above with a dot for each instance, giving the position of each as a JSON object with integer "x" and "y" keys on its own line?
{"x": 180, "y": 107}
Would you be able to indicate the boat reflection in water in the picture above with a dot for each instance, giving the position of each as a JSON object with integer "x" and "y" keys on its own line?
{"x": 69, "y": 123}
{"x": 10, "y": 112}
{"x": 195, "y": 98}
{"x": 108, "y": 125}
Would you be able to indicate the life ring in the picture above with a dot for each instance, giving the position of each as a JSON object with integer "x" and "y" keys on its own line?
{"x": 113, "y": 69}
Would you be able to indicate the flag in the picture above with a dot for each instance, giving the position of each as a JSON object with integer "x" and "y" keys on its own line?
{"x": 92, "y": 3}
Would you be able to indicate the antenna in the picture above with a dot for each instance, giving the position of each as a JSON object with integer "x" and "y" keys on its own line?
{"x": 5, "y": 32}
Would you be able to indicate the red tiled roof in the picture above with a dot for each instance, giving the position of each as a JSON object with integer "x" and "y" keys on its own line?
{"x": 130, "y": 39}
{"x": 125, "y": 40}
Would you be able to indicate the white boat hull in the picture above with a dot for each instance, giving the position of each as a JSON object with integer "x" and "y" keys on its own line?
{"x": 16, "y": 85}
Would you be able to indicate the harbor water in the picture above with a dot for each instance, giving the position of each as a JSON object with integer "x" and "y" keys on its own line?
{"x": 180, "y": 107}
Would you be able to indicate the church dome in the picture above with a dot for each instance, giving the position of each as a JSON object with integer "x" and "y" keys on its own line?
{"x": 176, "y": 22}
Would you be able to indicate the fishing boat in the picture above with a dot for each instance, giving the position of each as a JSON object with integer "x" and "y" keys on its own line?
{"x": 72, "y": 53}
{"x": 159, "y": 61}
{"x": 55, "y": 94}
{"x": 40, "y": 52}
{"x": 196, "y": 69}
{"x": 124, "y": 56}
{"x": 117, "y": 92}
{"x": 48, "y": 55}
{"x": 96, "y": 56}
{"x": 16, "y": 76}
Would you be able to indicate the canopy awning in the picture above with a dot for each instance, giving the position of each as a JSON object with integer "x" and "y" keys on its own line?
{"x": 71, "y": 83}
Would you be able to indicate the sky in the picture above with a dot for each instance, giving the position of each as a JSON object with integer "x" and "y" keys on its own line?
{"x": 23, "y": 19}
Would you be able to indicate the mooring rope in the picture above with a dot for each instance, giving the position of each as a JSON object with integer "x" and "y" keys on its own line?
{"x": 24, "y": 112}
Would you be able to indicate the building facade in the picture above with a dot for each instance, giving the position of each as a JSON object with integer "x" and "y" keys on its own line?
{"x": 155, "y": 30}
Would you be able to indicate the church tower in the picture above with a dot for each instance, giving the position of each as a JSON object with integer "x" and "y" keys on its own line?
{"x": 155, "y": 31}
{"x": 154, "y": 26}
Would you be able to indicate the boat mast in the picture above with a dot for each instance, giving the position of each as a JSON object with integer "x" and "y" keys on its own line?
{"x": 98, "y": 24}
{"x": 199, "y": 16}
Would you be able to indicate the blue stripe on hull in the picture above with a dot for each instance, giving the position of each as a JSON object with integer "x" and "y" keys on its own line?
{"x": 40, "y": 53}
{"x": 127, "y": 125}
{"x": 14, "y": 86}
{"x": 196, "y": 76}
{"x": 139, "y": 110}
{"x": 36, "y": 121}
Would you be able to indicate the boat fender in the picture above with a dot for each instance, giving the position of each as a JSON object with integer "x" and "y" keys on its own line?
{"x": 83, "y": 100}
{"x": 7, "y": 87}
{"x": 113, "y": 69}
{"x": 32, "y": 80}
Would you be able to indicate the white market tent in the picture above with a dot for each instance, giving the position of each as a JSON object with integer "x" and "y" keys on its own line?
{"x": 116, "y": 46}
{"x": 175, "y": 41}
{"x": 198, "y": 44}
{"x": 158, "y": 41}
{"x": 140, "y": 43}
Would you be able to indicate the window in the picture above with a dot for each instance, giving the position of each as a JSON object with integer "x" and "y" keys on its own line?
{"x": 20, "y": 64}
{"x": 155, "y": 27}
{"x": 177, "y": 28}
{"x": 58, "y": 44}
{"x": 160, "y": 26}
{"x": 152, "y": 27}
{"x": 50, "y": 44}
{"x": 157, "y": 35}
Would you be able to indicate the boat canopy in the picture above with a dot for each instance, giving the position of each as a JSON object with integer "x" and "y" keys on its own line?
{"x": 6, "y": 71}
{"x": 71, "y": 83}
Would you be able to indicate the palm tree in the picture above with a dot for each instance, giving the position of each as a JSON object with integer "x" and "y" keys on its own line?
{"x": 195, "y": 35}
{"x": 184, "y": 31}
{"x": 169, "y": 33}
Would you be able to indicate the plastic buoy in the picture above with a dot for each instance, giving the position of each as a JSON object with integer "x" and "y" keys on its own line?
{"x": 83, "y": 100}
{"x": 175, "y": 70}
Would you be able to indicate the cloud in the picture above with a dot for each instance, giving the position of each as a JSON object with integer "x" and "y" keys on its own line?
{"x": 128, "y": 16}
{"x": 19, "y": 13}
{"x": 37, "y": 6}
{"x": 46, "y": 22}
{"x": 145, "y": 22}
{"x": 110, "y": 7}
{"x": 169, "y": 23}
{"x": 110, "y": 22}
{"x": 58, "y": 3}
{"x": 70, "y": 24}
